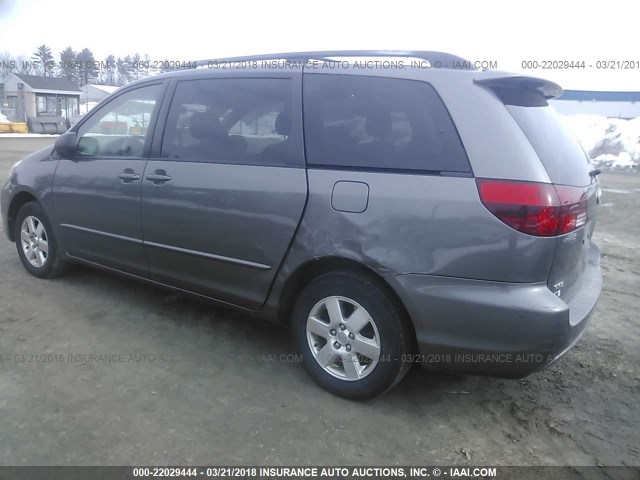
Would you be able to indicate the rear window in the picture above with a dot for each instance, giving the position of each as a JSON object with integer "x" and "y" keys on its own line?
{"x": 372, "y": 122}
{"x": 558, "y": 149}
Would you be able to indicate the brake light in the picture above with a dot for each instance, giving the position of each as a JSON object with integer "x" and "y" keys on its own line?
{"x": 539, "y": 209}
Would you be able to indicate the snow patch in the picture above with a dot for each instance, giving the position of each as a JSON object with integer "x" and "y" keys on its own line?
{"x": 609, "y": 142}
{"x": 616, "y": 190}
{"x": 85, "y": 107}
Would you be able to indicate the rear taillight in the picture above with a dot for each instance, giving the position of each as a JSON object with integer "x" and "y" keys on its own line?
{"x": 539, "y": 209}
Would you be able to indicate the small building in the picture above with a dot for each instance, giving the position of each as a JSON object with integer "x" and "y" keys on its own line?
{"x": 25, "y": 97}
{"x": 624, "y": 105}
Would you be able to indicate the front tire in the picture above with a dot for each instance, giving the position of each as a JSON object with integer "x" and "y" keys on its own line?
{"x": 353, "y": 336}
{"x": 36, "y": 243}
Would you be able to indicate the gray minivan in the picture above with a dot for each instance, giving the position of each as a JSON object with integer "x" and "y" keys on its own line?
{"x": 389, "y": 208}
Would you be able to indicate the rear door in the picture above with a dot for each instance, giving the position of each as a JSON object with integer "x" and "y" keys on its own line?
{"x": 223, "y": 196}
{"x": 569, "y": 169}
{"x": 96, "y": 194}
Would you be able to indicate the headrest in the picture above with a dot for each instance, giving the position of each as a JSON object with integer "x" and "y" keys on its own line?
{"x": 204, "y": 124}
{"x": 283, "y": 123}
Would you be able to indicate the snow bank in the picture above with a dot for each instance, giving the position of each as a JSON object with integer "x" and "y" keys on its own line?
{"x": 3, "y": 119}
{"x": 610, "y": 142}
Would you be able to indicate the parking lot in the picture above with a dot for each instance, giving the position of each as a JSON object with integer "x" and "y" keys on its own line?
{"x": 97, "y": 369}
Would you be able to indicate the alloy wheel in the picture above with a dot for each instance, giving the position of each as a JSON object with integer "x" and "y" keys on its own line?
{"x": 35, "y": 244}
{"x": 343, "y": 338}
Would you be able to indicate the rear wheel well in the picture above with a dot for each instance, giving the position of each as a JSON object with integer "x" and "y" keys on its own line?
{"x": 18, "y": 201}
{"x": 318, "y": 267}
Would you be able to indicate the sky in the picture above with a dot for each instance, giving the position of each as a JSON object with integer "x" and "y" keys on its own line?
{"x": 508, "y": 32}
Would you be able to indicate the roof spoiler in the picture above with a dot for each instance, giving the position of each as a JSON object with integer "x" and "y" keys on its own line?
{"x": 544, "y": 87}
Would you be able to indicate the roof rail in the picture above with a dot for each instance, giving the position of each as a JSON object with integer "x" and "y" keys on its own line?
{"x": 435, "y": 59}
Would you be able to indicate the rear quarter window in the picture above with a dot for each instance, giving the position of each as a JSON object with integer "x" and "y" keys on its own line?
{"x": 561, "y": 154}
{"x": 381, "y": 123}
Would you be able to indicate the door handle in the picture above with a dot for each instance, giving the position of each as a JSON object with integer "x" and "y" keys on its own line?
{"x": 128, "y": 176}
{"x": 158, "y": 177}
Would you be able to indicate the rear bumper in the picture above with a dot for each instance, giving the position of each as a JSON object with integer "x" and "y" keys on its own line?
{"x": 505, "y": 329}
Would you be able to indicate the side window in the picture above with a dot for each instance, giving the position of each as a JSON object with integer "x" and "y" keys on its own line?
{"x": 120, "y": 128}
{"x": 375, "y": 122}
{"x": 239, "y": 121}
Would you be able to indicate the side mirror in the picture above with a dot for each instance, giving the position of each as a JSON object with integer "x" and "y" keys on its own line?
{"x": 67, "y": 144}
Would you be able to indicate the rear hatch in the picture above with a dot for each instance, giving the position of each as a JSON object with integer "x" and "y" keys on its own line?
{"x": 568, "y": 168}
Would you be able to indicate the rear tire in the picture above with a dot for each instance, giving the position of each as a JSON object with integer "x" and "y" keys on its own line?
{"x": 36, "y": 242}
{"x": 353, "y": 336}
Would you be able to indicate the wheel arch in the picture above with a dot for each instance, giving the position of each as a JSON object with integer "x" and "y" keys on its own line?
{"x": 316, "y": 267}
{"x": 19, "y": 199}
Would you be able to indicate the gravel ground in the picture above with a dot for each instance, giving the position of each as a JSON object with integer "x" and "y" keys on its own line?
{"x": 193, "y": 384}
